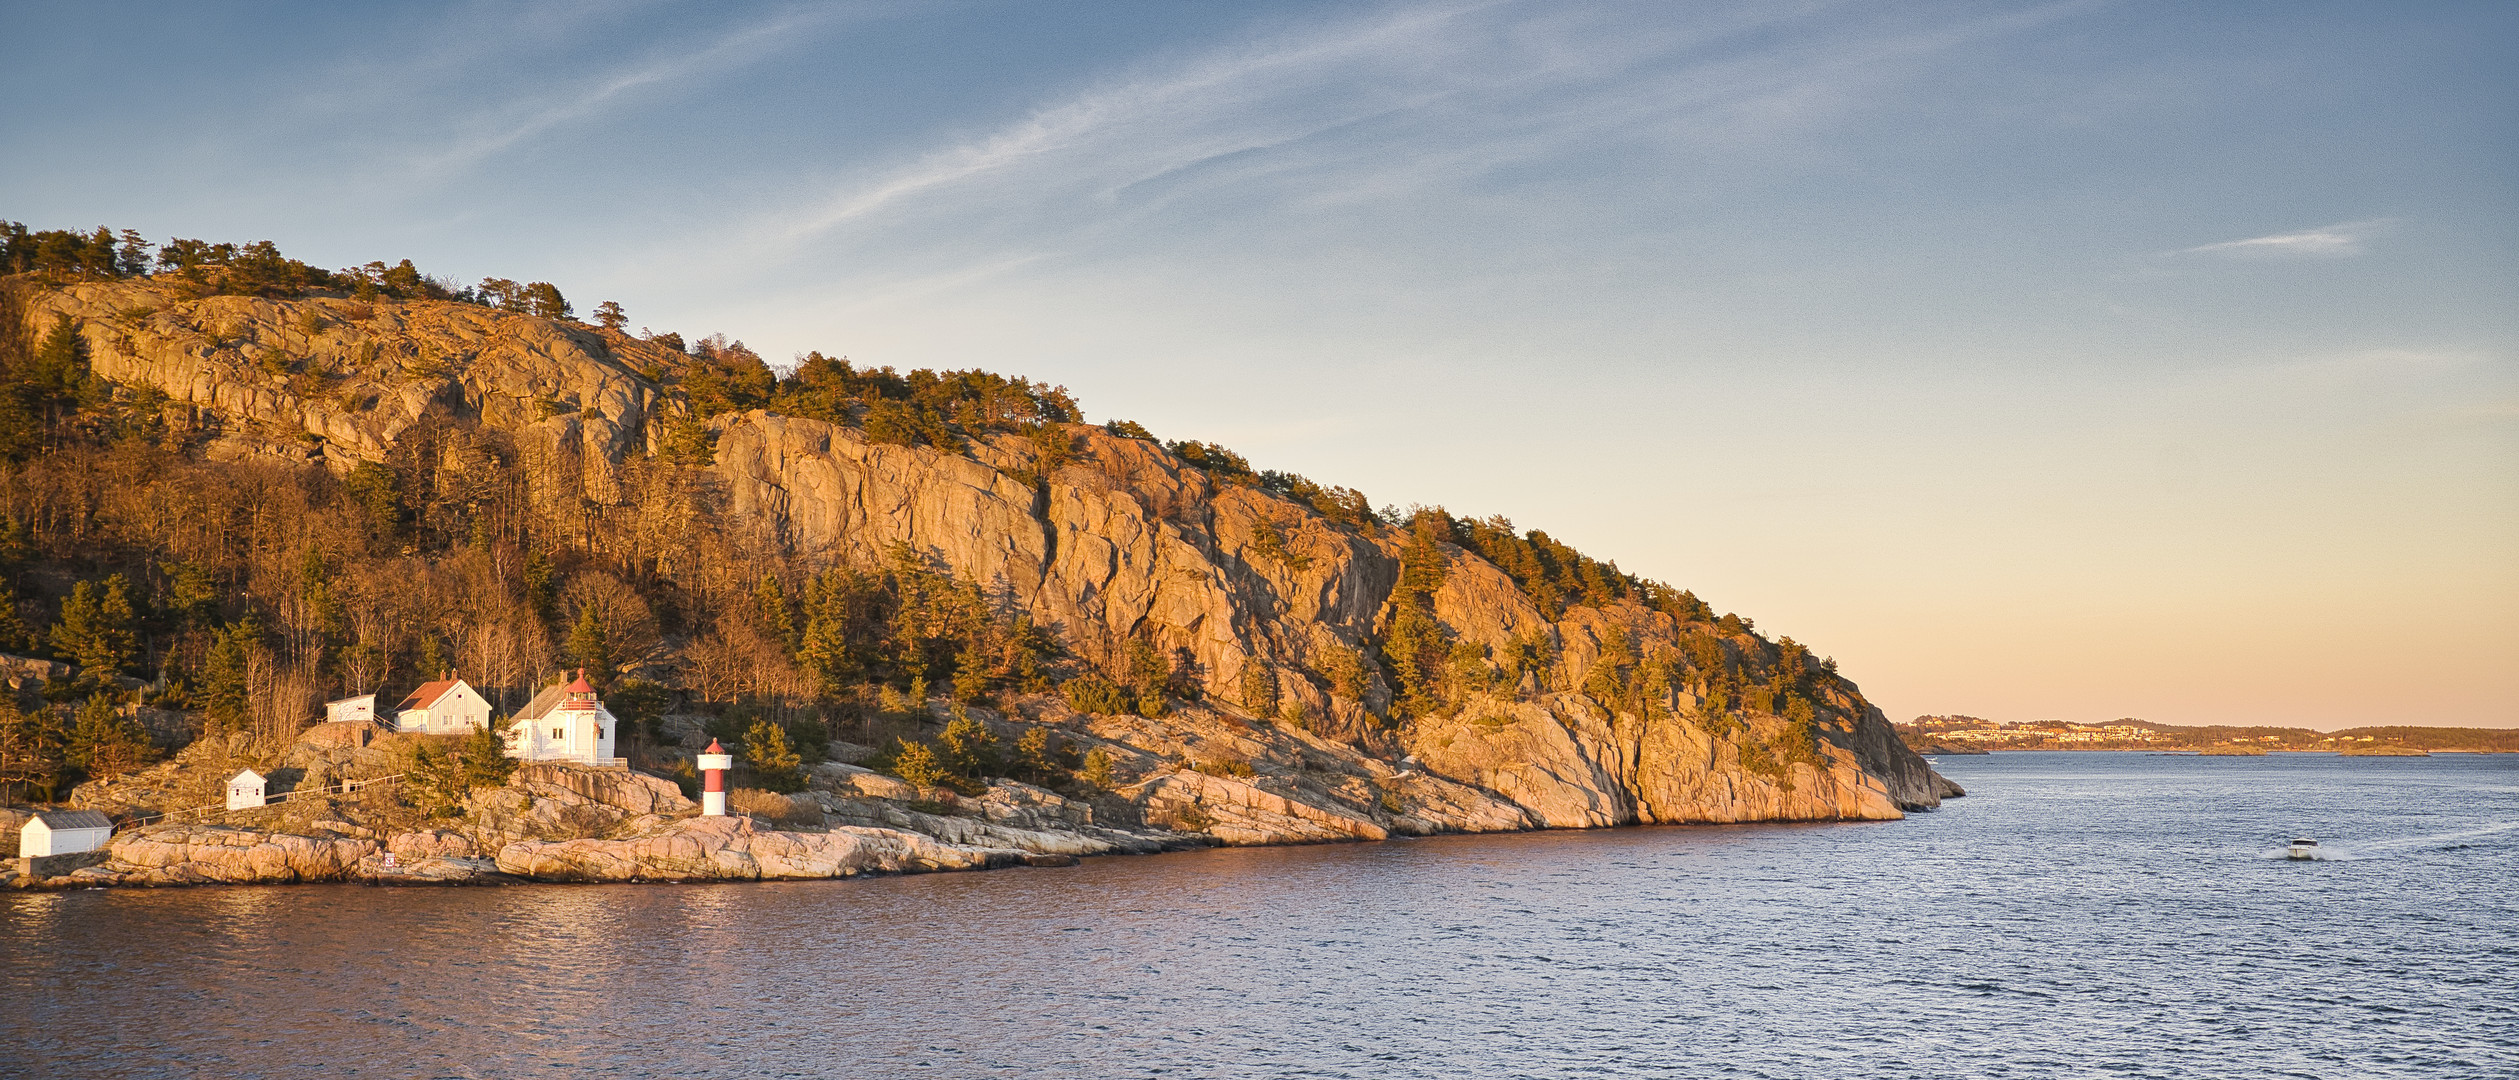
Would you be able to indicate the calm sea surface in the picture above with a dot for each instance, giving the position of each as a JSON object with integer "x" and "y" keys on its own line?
{"x": 2078, "y": 915}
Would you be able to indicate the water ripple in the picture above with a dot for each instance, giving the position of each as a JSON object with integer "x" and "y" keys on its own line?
{"x": 2081, "y": 915}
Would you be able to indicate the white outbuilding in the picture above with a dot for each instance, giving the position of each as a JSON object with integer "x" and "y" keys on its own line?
{"x": 448, "y": 706}
{"x": 245, "y": 790}
{"x": 362, "y": 707}
{"x": 64, "y": 832}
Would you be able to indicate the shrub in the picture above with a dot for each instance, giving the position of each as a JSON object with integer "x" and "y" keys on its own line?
{"x": 968, "y": 749}
{"x": 1345, "y": 668}
{"x": 1097, "y": 770}
{"x": 1041, "y": 759}
{"x": 916, "y": 762}
{"x": 1222, "y": 767}
{"x": 1259, "y": 689}
{"x": 766, "y": 805}
{"x": 1091, "y": 693}
{"x": 1193, "y": 818}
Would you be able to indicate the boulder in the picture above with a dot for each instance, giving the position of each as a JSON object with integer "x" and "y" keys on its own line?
{"x": 632, "y": 793}
{"x": 430, "y": 843}
{"x": 430, "y": 870}
{"x": 1238, "y": 812}
{"x": 200, "y": 854}
{"x": 735, "y": 849}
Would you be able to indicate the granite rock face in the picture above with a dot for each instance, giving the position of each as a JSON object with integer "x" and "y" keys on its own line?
{"x": 206, "y": 854}
{"x": 1129, "y": 541}
{"x": 1122, "y": 541}
{"x": 736, "y": 849}
{"x": 338, "y": 381}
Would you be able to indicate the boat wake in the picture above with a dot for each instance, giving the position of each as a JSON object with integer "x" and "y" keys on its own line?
{"x": 2441, "y": 840}
{"x": 2365, "y": 849}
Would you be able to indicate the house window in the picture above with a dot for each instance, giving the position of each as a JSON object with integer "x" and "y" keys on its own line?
{"x": 559, "y": 735}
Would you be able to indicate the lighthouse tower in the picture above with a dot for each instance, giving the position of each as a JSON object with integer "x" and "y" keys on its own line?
{"x": 714, "y": 762}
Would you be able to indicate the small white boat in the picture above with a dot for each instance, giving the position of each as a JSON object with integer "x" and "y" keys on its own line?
{"x": 2302, "y": 848}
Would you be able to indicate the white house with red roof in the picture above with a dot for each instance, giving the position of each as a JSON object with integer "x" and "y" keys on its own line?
{"x": 444, "y": 706}
{"x": 565, "y": 723}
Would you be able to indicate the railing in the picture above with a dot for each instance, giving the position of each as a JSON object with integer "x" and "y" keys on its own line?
{"x": 346, "y": 787}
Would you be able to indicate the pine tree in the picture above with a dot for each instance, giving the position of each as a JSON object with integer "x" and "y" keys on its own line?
{"x": 916, "y": 762}
{"x": 544, "y": 299}
{"x": 96, "y": 630}
{"x": 771, "y": 599}
{"x": 31, "y": 745}
{"x": 589, "y": 646}
{"x": 134, "y": 255}
{"x": 321, "y": 615}
{"x": 105, "y": 743}
{"x": 432, "y": 656}
{"x": 224, "y": 687}
{"x": 192, "y": 595}
{"x": 484, "y": 758}
{"x": 968, "y": 749}
{"x": 610, "y": 316}
{"x": 773, "y": 757}
{"x": 434, "y": 781}
{"x": 541, "y": 592}
{"x": 15, "y": 636}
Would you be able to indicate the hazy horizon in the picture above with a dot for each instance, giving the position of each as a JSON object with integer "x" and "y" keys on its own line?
{"x": 2036, "y": 361}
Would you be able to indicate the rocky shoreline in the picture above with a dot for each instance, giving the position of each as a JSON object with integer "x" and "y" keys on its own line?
{"x": 570, "y": 823}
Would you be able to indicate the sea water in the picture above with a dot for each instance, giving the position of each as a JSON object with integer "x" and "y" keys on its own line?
{"x": 2079, "y": 914}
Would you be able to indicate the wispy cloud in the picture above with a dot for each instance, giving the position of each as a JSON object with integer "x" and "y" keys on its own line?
{"x": 1174, "y": 119}
{"x": 1382, "y": 108}
{"x": 523, "y": 120}
{"x": 2344, "y": 238}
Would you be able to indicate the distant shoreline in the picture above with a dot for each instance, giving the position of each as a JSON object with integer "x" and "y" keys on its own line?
{"x": 2203, "y": 752}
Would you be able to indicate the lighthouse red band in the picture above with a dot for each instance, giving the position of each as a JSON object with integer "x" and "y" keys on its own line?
{"x": 714, "y": 762}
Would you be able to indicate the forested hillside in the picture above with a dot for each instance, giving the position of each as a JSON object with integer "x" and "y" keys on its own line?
{"x": 233, "y": 486}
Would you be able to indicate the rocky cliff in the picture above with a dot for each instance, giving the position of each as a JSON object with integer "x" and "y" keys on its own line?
{"x": 1106, "y": 541}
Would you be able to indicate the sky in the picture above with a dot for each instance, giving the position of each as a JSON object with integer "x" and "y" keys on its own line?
{"x": 2074, "y": 360}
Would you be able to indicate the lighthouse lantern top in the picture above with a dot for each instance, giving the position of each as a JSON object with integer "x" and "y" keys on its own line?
{"x": 715, "y": 758}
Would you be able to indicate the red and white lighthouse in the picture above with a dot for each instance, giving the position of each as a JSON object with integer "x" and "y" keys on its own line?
{"x": 714, "y": 762}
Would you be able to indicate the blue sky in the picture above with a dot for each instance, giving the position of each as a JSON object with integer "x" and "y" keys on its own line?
{"x": 2074, "y": 360}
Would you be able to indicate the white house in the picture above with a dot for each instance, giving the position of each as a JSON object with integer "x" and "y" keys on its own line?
{"x": 564, "y": 723}
{"x": 62, "y": 832}
{"x": 245, "y": 790}
{"x": 449, "y": 705}
{"x": 362, "y": 707}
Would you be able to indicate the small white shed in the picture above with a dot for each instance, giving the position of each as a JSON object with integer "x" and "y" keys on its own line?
{"x": 245, "y": 790}
{"x": 362, "y": 707}
{"x": 64, "y": 832}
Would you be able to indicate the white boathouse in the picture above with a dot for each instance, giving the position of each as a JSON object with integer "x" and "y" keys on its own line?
{"x": 64, "y": 832}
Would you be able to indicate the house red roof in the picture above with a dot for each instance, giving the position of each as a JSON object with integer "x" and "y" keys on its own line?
{"x": 427, "y": 694}
{"x": 581, "y": 686}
